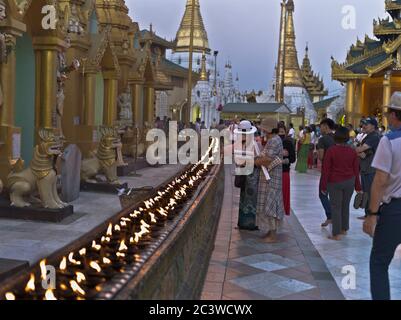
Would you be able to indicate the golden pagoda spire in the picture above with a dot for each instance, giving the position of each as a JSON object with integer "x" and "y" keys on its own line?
{"x": 281, "y": 56}
{"x": 182, "y": 41}
{"x": 292, "y": 72}
{"x": 203, "y": 73}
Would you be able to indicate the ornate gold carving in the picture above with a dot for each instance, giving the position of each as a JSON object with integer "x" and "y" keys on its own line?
{"x": 392, "y": 46}
{"x": 39, "y": 176}
{"x": 381, "y": 66}
{"x": 391, "y": 5}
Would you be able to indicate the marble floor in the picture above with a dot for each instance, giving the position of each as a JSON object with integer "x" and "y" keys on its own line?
{"x": 244, "y": 267}
{"x": 352, "y": 250}
{"x": 304, "y": 265}
{"x": 31, "y": 241}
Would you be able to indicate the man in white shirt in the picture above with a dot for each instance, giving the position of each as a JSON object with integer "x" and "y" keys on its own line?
{"x": 291, "y": 132}
{"x": 384, "y": 215}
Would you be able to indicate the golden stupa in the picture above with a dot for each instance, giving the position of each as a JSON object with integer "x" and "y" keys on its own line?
{"x": 182, "y": 41}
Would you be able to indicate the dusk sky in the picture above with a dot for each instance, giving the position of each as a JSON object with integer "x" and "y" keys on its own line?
{"x": 246, "y": 31}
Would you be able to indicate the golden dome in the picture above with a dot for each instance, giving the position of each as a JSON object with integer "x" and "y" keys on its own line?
{"x": 182, "y": 41}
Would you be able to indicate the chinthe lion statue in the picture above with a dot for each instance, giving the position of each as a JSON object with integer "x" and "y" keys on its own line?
{"x": 104, "y": 160}
{"x": 39, "y": 177}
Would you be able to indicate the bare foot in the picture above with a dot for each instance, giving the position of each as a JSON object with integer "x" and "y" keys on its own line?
{"x": 336, "y": 238}
{"x": 326, "y": 223}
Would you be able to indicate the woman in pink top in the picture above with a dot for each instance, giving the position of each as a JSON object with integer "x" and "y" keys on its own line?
{"x": 340, "y": 178}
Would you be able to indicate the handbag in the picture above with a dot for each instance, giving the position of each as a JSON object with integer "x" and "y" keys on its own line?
{"x": 240, "y": 181}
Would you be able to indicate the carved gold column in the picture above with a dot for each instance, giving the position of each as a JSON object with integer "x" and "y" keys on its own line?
{"x": 149, "y": 111}
{"x": 46, "y": 49}
{"x": 90, "y": 96}
{"x": 137, "y": 104}
{"x": 7, "y": 78}
{"x": 350, "y": 102}
{"x": 110, "y": 99}
{"x": 9, "y": 152}
{"x": 386, "y": 96}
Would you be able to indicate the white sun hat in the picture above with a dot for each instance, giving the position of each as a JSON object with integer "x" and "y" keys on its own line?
{"x": 395, "y": 102}
{"x": 245, "y": 127}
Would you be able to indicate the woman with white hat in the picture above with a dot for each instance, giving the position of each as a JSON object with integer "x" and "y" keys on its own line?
{"x": 270, "y": 205}
{"x": 248, "y": 183}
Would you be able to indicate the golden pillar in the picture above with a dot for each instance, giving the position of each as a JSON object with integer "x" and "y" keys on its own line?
{"x": 46, "y": 87}
{"x": 90, "y": 96}
{"x": 149, "y": 114}
{"x": 386, "y": 96}
{"x": 137, "y": 104}
{"x": 10, "y": 136}
{"x": 350, "y": 102}
{"x": 110, "y": 100}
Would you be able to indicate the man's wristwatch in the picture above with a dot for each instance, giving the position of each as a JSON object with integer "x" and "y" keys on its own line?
{"x": 371, "y": 213}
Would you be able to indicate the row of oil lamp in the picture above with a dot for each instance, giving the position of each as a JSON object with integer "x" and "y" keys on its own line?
{"x": 81, "y": 275}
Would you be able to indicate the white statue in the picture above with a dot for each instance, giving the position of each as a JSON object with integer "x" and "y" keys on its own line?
{"x": 74, "y": 25}
{"x": 125, "y": 106}
{"x": 62, "y": 71}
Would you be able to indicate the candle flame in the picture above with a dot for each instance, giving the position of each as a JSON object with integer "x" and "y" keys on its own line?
{"x": 95, "y": 265}
{"x": 63, "y": 264}
{"x": 152, "y": 217}
{"x": 82, "y": 252}
{"x": 72, "y": 260}
{"x": 117, "y": 228}
{"x": 122, "y": 247}
{"x": 123, "y": 224}
{"x": 96, "y": 246}
{"x": 49, "y": 295}
{"x": 76, "y": 288}
{"x": 162, "y": 212}
{"x": 138, "y": 236}
{"x": 106, "y": 260}
{"x": 10, "y": 296}
{"x": 144, "y": 224}
{"x": 30, "y": 286}
{"x": 119, "y": 254}
{"x": 109, "y": 231}
{"x": 43, "y": 270}
{"x": 80, "y": 277}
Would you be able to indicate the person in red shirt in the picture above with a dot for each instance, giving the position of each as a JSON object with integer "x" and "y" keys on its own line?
{"x": 339, "y": 178}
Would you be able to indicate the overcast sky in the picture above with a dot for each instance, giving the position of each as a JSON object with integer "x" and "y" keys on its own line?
{"x": 246, "y": 31}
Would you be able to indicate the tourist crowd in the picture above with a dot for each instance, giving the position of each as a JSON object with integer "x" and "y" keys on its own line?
{"x": 365, "y": 161}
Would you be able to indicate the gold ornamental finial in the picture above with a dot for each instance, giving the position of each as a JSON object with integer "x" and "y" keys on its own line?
{"x": 203, "y": 74}
{"x": 292, "y": 72}
{"x": 182, "y": 41}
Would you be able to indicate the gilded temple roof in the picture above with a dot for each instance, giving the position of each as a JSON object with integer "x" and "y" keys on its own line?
{"x": 182, "y": 40}
{"x": 313, "y": 83}
{"x": 155, "y": 39}
{"x": 324, "y": 104}
{"x": 373, "y": 56}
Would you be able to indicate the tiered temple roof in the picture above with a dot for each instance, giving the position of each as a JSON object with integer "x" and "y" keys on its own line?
{"x": 373, "y": 56}
{"x": 313, "y": 82}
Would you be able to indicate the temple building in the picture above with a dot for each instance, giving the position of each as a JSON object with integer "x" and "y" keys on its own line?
{"x": 297, "y": 87}
{"x": 313, "y": 82}
{"x": 371, "y": 71}
{"x": 92, "y": 68}
{"x": 290, "y": 87}
{"x": 211, "y": 92}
